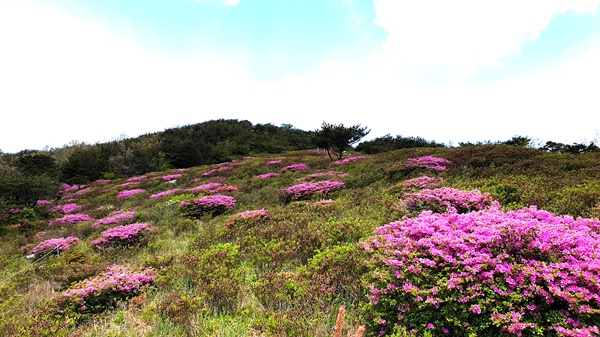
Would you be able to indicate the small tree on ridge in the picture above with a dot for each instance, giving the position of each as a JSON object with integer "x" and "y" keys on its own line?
{"x": 336, "y": 138}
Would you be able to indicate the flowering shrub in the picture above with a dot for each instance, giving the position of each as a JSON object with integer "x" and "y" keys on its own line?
{"x": 171, "y": 177}
{"x": 105, "y": 290}
{"x": 274, "y": 162}
{"x": 128, "y": 193}
{"x": 59, "y": 244}
{"x": 486, "y": 273}
{"x": 99, "y": 181}
{"x": 138, "y": 178}
{"x": 83, "y": 191}
{"x": 440, "y": 199}
{"x": 295, "y": 167}
{"x": 208, "y": 186}
{"x": 66, "y": 208}
{"x": 71, "y": 219}
{"x": 267, "y": 175}
{"x": 215, "y": 204}
{"x": 247, "y": 217}
{"x": 306, "y": 190}
{"x": 427, "y": 162}
{"x": 163, "y": 193}
{"x": 348, "y": 160}
{"x": 129, "y": 183}
{"x": 126, "y": 235}
{"x": 215, "y": 171}
{"x": 423, "y": 182}
{"x": 224, "y": 188}
{"x": 69, "y": 188}
{"x": 43, "y": 202}
{"x": 115, "y": 217}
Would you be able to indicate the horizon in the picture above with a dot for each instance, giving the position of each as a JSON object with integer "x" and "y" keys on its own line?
{"x": 97, "y": 71}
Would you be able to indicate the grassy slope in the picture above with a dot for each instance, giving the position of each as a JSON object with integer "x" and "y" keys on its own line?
{"x": 286, "y": 275}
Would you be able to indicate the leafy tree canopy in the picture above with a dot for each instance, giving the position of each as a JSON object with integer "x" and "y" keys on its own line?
{"x": 337, "y": 138}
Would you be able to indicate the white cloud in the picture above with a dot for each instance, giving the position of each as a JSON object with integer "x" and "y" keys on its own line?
{"x": 464, "y": 34}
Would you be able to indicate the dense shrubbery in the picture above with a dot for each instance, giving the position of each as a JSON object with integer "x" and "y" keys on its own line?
{"x": 213, "y": 204}
{"x": 307, "y": 190}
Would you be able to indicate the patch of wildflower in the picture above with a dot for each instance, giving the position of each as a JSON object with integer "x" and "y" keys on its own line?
{"x": 105, "y": 290}
{"x": 348, "y": 160}
{"x": 102, "y": 181}
{"x": 40, "y": 234}
{"x": 164, "y": 193}
{"x": 70, "y": 188}
{"x": 441, "y": 199}
{"x": 129, "y": 183}
{"x": 66, "y": 208}
{"x": 427, "y": 162}
{"x": 423, "y": 182}
{"x": 295, "y": 167}
{"x": 212, "y": 204}
{"x": 71, "y": 219}
{"x": 274, "y": 162}
{"x": 318, "y": 175}
{"x": 526, "y": 272}
{"x": 59, "y": 244}
{"x": 43, "y": 202}
{"x": 215, "y": 171}
{"x": 209, "y": 186}
{"x": 224, "y": 188}
{"x": 247, "y": 217}
{"x": 180, "y": 170}
{"x": 171, "y": 177}
{"x": 125, "y": 235}
{"x": 115, "y": 217}
{"x": 138, "y": 178}
{"x": 128, "y": 193}
{"x": 83, "y": 191}
{"x": 267, "y": 175}
{"x": 306, "y": 190}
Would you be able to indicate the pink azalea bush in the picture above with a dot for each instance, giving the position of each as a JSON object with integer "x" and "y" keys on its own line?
{"x": 348, "y": 160}
{"x": 127, "y": 193}
{"x": 295, "y": 167}
{"x": 427, "y": 162}
{"x": 125, "y": 235}
{"x": 43, "y": 202}
{"x": 66, "y": 208}
{"x": 209, "y": 186}
{"x": 224, "y": 188}
{"x": 423, "y": 182}
{"x": 138, "y": 178}
{"x": 215, "y": 171}
{"x": 486, "y": 273}
{"x": 171, "y": 177}
{"x": 247, "y": 217}
{"x": 441, "y": 199}
{"x": 307, "y": 190}
{"x": 129, "y": 183}
{"x": 115, "y": 217}
{"x": 274, "y": 162}
{"x": 267, "y": 175}
{"x": 83, "y": 191}
{"x": 105, "y": 290}
{"x": 59, "y": 244}
{"x": 71, "y": 219}
{"x": 164, "y": 193}
{"x": 214, "y": 204}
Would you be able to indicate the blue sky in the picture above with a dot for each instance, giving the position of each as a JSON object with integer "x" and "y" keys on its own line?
{"x": 449, "y": 71}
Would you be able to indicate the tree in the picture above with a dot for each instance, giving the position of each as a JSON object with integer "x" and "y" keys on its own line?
{"x": 336, "y": 138}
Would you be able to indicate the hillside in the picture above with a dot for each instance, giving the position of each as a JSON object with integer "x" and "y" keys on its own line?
{"x": 270, "y": 245}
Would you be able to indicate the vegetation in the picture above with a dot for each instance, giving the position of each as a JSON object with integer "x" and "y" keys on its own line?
{"x": 337, "y": 138}
{"x": 488, "y": 240}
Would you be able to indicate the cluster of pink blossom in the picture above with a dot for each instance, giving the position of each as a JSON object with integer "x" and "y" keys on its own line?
{"x": 114, "y": 218}
{"x": 306, "y": 190}
{"x": 43, "y": 202}
{"x": 69, "y": 188}
{"x": 224, "y": 188}
{"x": 215, "y": 171}
{"x": 324, "y": 202}
{"x": 423, "y": 182}
{"x": 129, "y": 183}
{"x": 125, "y": 235}
{"x": 348, "y": 160}
{"x": 171, "y": 177}
{"x": 128, "y": 193}
{"x": 163, "y": 193}
{"x": 138, "y": 178}
{"x": 317, "y": 175}
{"x": 40, "y": 234}
{"x": 71, "y": 219}
{"x": 83, "y": 191}
{"x": 209, "y": 186}
{"x": 428, "y": 162}
{"x": 102, "y": 181}
{"x": 215, "y": 204}
{"x": 66, "y": 208}
{"x": 59, "y": 244}
{"x": 526, "y": 272}
{"x": 117, "y": 282}
{"x": 274, "y": 162}
{"x": 181, "y": 170}
{"x": 14, "y": 210}
{"x": 295, "y": 167}
{"x": 254, "y": 215}
{"x": 441, "y": 199}
{"x": 267, "y": 175}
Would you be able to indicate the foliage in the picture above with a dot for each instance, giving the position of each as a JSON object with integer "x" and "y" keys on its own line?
{"x": 388, "y": 143}
{"x": 307, "y": 190}
{"x": 442, "y": 199}
{"x": 337, "y": 138}
{"x": 213, "y": 204}
{"x": 125, "y": 235}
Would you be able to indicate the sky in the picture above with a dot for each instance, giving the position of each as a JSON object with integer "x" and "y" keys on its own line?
{"x": 449, "y": 71}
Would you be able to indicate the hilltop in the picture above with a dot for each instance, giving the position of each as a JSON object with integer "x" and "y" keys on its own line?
{"x": 274, "y": 244}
